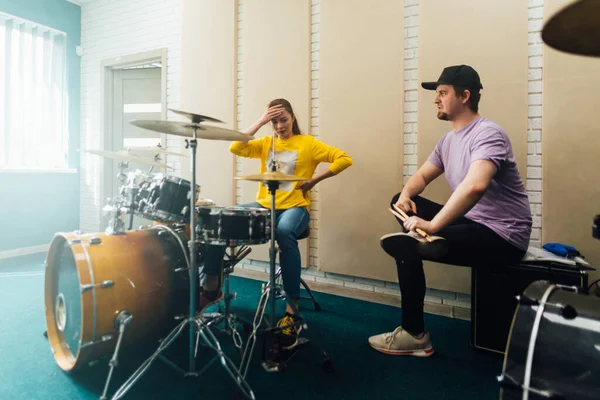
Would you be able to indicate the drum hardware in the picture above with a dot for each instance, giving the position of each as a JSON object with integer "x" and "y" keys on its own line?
{"x": 103, "y": 338}
{"x": 228, "y": 318}
{"x": 125, "y": 202}
{"x": 533, "y": 338}
{"x": 549, "y": 354}
{"x": 507, "y": 383}
{"x": 115, "y": 207}
{"x": 103, "y": 285}
{"x": 273, "y": 356}
{"x": 121, "y": 322}
{"x": 194, "y": 324}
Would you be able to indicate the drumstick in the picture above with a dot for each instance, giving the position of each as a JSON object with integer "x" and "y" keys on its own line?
{"x": 403, "y": 217}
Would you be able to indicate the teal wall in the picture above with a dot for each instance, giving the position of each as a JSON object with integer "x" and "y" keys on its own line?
{"x": 35, "y": 206}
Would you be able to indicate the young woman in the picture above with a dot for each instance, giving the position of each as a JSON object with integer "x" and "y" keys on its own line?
{"x": 295, "y": 154}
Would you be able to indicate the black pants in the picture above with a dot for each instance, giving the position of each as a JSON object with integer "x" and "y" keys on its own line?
{"x": 470, "y": 244}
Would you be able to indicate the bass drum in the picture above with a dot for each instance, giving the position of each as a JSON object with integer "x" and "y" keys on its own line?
{"x": 94, "y": 280}
{"x": 553, "y": 349}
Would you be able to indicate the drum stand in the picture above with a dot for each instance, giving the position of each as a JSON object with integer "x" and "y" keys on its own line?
{"x": 194, "y": 323}
{"x": 271, "y": 290}
{"x": 116, "y": 226}
{"x": 228, "y": 318}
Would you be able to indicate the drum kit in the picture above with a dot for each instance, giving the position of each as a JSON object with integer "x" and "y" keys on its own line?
{"x": 553, "y": 350}
{"x": 115, "y": 288}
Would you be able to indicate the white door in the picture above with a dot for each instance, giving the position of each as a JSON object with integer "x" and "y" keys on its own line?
{"x": 136, "y": 95}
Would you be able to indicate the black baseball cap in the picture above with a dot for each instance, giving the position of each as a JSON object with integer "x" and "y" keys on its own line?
{"x": 459, "y": 75}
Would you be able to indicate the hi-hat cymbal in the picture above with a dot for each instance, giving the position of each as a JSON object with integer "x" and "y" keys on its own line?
{"x": 186, "y": 129}
{"x": 575, "y": 28}
{"x": 126, "y": 156}
{"x": 196, "y": 118}
{"x": 156, "y": 149}
{"x": 271, "y": 177}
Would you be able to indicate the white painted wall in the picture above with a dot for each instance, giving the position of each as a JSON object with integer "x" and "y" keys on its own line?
{"x": 113, "y": 28}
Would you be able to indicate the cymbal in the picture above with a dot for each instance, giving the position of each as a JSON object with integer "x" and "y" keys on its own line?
{"x": 156, "y": 149}
{"x": 575, "y": 29}
{"x": 270, "y": 177}
{"x": 126, "y": 156}
{"x": 196, "y": 118}
{"x": 185, "y": 129}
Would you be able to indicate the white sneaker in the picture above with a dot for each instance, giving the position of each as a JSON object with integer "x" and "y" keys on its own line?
{"x": 401, "y": 343}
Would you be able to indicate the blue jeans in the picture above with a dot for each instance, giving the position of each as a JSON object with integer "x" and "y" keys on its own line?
{"x": 289, "y": 225}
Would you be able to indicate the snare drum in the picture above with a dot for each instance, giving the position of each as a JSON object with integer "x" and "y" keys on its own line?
{"x": 90, "y": 279}
{"x": 554, "y": 345}
{"x": 233, "y": 226}
{"x": 167, "y": 199}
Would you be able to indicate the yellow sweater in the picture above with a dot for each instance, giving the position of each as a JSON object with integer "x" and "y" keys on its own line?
{"x": 299, "y": 155}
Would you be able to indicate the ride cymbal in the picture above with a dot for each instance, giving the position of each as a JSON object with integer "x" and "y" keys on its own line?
{"x": 575, "y": 29}
{"x": 186, "y": 129}
{"x": 271, "y": 177}
{"x": 126, "y": 156}
{"x": 196, "y": 118}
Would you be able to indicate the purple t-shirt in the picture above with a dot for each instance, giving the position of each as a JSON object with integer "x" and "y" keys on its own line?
{"x": 505, "y": 207}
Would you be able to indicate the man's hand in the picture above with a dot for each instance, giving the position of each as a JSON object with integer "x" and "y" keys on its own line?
{"x": 305, "y": 186}
{"x": 414, "y": 222}
{"x": 406, "y": 204}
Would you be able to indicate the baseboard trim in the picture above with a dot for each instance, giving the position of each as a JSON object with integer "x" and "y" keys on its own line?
{"x": 23, "y": 251}
{"x": 444, "y": 310}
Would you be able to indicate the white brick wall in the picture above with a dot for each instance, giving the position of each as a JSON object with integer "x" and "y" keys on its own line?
{"x": 534, "y": 123}
{"x": 112, "y": 28}
{"x": 411, "y": 84}
{"x": 240, "y": 92}
{"x": 315, "y": 44}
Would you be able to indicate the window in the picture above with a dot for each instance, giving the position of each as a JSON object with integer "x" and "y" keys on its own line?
{"x": 33, "y": 96}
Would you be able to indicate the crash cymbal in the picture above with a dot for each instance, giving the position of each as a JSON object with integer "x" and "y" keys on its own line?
{"x": 126, "y": 156}
{"x": 185, "y": 129}
{"x": 270, "y": 177}
{"x": 196, "y": 118}
{"x": 575, "y": 28}
{"x": 157, "y": 149}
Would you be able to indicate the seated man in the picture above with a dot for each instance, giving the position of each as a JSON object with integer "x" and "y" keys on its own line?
{"x": 487, "y": 219}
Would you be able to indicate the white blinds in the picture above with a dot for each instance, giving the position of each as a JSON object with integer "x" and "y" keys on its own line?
{"x": 33, "y": 96}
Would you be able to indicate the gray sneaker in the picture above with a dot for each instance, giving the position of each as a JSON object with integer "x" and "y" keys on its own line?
{"x": 402, "y": 343}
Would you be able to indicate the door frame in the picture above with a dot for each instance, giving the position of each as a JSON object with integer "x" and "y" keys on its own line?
{"x": 108, "y": 68}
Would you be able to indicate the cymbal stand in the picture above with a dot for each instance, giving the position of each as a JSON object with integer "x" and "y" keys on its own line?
{"x": 271, "y": 291}
{"x": 192, "y": 321}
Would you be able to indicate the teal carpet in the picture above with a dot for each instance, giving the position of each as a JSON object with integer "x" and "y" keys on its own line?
{"x": 28, "y": 369}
